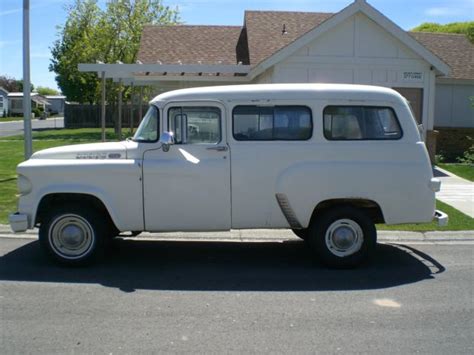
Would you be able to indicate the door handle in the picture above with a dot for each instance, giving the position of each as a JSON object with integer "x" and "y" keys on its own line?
{"x": 218, "y": 148}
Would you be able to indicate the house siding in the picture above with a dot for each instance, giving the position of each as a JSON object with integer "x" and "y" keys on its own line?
{"x": 453, "y": 107}
{"x": 3, "y": 102}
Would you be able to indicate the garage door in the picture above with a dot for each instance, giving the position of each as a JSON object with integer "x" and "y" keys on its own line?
{"x": 415, "y": 96}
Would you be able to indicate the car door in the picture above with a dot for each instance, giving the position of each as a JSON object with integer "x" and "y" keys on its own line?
{"x": 188, "y": 187}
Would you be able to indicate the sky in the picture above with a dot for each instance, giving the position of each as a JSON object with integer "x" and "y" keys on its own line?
{"x": 47, "y": 15}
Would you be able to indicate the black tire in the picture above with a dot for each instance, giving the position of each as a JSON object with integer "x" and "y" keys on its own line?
{"x": 355, "y": 244}
{"x": 301, "y": 233}
{"x": 74, "y": 235}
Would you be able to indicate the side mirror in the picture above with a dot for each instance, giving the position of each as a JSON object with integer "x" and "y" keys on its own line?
{"x": 166, "y": 139}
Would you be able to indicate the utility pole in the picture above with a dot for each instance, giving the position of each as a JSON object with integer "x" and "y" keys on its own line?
{"x": 102, "y": 114}
{"x": 26, "y": 80}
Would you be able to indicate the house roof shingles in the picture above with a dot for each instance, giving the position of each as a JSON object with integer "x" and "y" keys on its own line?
{"x": 262, "y": 36}
{"x": 454, "y": 49}
{"x": 265, "y": 30}
{"x": 189, "y": 44}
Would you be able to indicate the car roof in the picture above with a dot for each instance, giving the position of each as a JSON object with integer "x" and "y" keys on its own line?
{"x": 281, "y": 92}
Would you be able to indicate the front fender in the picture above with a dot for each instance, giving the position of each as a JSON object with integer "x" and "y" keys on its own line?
{"x": 77, "y": 189}
{"x": 116, "y": 183}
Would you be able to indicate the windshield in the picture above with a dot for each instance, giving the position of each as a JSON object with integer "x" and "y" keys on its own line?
{"x": 148, "y": 129}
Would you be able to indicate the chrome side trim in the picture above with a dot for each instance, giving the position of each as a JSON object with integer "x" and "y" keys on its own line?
{"x": 288, "y": 211}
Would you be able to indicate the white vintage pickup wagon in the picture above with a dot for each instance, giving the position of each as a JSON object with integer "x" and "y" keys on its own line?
{"x": 327, "y": 161}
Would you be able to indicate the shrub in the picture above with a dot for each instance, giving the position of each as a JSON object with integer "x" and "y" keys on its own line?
{"x": 439, "y": 158}
{"x": 37, "y": 112}
{"x": 468, "y": 156}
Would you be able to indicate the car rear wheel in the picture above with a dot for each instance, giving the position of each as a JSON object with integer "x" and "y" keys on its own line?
{"x": 73, "y": 235}
{"x": 343, "y": 237}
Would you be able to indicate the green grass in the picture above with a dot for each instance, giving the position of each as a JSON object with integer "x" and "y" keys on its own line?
{"x": 465, "y": 171}
{"x": 457, "y": 221}
{"x": 11, "y": 155}
{"x": 10, "y": 119}
{"x": 72, "y": 135}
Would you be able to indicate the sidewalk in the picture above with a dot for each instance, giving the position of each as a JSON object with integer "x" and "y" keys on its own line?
{"x": 13, "y": 128}
{"x": 455, "y": 191}
{"x": 274, "y": 235}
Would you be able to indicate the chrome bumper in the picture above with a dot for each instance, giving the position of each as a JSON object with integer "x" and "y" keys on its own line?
{"x": 441, "y": 218}
{"x": 18, "y": 222}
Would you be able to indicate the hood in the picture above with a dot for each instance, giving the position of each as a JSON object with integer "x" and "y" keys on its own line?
{"x": 109, "y": 150}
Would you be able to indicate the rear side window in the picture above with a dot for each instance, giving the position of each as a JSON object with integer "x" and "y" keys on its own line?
{"x": 255, "y": 123}
{"x": 361, "y": 123}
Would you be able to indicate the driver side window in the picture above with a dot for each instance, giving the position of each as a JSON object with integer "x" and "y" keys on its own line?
{"x": 195, "y": 125}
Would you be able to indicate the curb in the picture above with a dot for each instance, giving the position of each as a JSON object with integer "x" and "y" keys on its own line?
{"x": 273, "y": 235}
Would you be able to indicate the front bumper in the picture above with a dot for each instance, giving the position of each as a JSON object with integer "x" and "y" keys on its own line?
{"x": 18, "y": 222}
{"x": 441, "y": 218}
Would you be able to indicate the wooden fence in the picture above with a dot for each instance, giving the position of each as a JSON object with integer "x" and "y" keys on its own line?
{"x": 89, "y": 116}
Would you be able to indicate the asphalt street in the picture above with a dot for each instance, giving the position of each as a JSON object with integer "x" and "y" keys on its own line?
{"x": 16, "y": 127}
{"x": 152, "y": 296}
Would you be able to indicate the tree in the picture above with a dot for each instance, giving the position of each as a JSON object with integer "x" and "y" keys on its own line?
{"x": 8, "y": 83}
{"x": 12, "y": 85}
{"x": 466, "y": 28}
{"x": 91, "y": 34}
{"x": 43, "y": 90}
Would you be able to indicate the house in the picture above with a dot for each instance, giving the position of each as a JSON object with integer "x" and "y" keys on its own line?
{"x": 435, "y": 72}
{"x": 3, "y": 102}
{"x": 57, "y": 103}
{"x": 15, "y": 103}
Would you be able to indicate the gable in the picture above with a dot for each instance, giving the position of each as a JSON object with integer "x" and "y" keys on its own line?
{"x": 360, "y": 37}
{"x": 357, "y": 7}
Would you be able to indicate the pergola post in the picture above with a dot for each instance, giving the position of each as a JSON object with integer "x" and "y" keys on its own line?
{"x": 131, "y": 108}
{"x": 119, "y": 118}
{"x": 103, "y": 107}
{"x": 140, "y": 106}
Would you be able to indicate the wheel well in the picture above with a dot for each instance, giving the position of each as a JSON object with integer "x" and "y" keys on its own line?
{"x": 368, "y": 206}
{"x": 59, "y": 199}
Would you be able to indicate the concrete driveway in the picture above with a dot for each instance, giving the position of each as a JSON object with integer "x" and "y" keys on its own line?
{"x": 456, "y": 191}
{"x": 16, "y": 127}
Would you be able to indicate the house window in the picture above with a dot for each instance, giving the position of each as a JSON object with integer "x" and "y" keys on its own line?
{"x": 17, "y": 104}
{"x": 194, "y": 125}
{"x": 1, "y": 104}
{"x": 361, "y": 123}
{"x": 259, "y": 123}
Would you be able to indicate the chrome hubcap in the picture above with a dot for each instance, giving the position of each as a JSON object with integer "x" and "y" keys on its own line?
{"x": 71, "y": 236}
{"x": 344, "y": 237}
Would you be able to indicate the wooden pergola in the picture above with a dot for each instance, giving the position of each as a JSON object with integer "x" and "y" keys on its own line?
{"x": 140, "y": 75}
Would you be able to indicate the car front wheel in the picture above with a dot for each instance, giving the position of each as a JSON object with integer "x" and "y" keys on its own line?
{"x": 73, "y": 235}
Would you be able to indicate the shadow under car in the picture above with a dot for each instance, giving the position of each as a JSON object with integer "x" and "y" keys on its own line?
{"x": 221, "y": 266}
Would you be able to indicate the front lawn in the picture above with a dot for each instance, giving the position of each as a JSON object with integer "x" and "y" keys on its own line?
{"x": 11, "y": 155}
{"x": 465, "y": 171}
{"x": 457, "y": 221}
